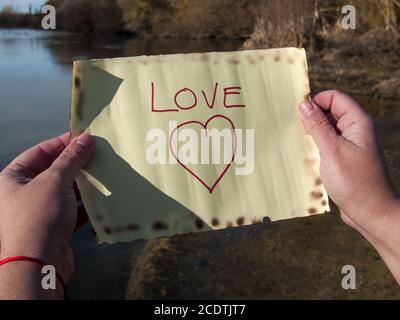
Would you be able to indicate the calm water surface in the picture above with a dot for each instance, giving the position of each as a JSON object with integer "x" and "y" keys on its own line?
{"x": 35, "y": 78}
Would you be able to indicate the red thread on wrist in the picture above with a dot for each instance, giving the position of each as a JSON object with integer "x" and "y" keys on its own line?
{"x": 39, "y": 262}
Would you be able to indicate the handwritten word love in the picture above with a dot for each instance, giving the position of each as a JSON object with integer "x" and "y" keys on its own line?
{"x": 191, "y": 98}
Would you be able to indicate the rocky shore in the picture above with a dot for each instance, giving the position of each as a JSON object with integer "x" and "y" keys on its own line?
{"x": 293, "y": 259}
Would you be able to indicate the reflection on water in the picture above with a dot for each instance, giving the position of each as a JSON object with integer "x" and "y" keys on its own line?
{"x": 35, "y": 77}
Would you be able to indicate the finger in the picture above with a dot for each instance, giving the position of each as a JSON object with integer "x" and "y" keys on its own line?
{"x": 350, "y": 115}
{"x": 38, "y": 158}
{"x": 73, "y": 158}
{"x": 338, "y": 103}
{"x": 319, "y": 127}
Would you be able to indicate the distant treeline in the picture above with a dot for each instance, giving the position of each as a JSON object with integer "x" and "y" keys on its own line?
{"x": 11, "y": 19}
{"x": 298, "y": 22}
{"x": 161, "y": 18}
{"x": 88, "y": 16}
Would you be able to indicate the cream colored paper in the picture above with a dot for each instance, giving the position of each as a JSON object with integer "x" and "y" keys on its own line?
{"x": 129, "y": 198}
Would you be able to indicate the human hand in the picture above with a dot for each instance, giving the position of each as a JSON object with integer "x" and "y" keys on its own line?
{"x": 353, "y": 170}
{"x": 38, "y": 210}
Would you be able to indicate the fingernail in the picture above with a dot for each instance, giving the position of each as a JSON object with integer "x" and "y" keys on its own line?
{"x": 85, "y": 140}
{"x": 307, "y": 108}
{"x": 65, "y": 135}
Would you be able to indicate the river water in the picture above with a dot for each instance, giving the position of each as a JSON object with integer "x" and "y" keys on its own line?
{"x": 35, "y": 77}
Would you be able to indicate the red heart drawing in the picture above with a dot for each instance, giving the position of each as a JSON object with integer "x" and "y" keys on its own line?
{"x": 212, "y": 187}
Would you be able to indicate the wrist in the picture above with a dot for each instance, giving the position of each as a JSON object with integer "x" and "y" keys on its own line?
{"x": 46, "y": 251}
{"x": 23, "y": 278}
{"x": 10, "y": 248}
{"x": 386, "y": 236}
{"x": 384, "y": 223}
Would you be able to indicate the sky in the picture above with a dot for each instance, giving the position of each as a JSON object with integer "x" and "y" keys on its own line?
{"x": 22, "y": 5}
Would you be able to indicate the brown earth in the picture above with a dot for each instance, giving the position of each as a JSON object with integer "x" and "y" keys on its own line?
{"x": 296, "y": 259}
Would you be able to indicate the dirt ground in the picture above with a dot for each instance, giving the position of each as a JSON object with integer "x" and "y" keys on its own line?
{"x": 293, "y": 259}
{"x": 299, "y": 258}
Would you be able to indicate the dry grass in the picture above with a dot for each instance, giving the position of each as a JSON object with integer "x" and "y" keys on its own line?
{"x": 284, "y": 23}
{"x": 378, "y": 13}
{"x": 265, "y": 22}
{"x": 308, "y": 22}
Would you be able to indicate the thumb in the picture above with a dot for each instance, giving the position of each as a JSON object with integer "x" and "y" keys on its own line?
{"x": 319, "y": 127}
{"x": 74, "y": 157}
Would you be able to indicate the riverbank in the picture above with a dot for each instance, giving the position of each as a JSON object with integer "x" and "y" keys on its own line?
{"x": 292, "y": 259}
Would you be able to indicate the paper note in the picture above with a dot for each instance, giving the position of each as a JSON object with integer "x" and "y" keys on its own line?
{"x": 195, "y": 142}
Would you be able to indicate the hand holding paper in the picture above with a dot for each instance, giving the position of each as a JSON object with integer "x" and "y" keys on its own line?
{"x": 193, "y": 142}
{"x": 348, "y": 146}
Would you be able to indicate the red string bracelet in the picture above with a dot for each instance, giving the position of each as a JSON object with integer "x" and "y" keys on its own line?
{"x": 39, "y": 262}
